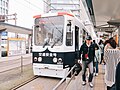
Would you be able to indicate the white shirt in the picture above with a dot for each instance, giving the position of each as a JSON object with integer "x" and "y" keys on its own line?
{"x": 112, "y": 57}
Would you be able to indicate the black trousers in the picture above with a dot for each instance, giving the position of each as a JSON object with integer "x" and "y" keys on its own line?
{"x": 111, "y": 88}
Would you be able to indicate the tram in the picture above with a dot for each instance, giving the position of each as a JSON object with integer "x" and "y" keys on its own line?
{"x": 57, "y": 38}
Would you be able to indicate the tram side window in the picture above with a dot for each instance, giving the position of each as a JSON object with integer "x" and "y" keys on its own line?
{"x": 69, "y": 35}
{"x": 69, "y": 39}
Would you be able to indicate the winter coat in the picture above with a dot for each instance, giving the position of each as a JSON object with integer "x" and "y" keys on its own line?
{"x": 87, "y": 50}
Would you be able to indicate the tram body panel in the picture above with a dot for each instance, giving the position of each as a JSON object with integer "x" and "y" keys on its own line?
{"x": 50, "y": 70}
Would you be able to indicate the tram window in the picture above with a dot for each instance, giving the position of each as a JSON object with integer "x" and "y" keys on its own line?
{"x": 69, "y": 38}
{"x": 48, "y": 31}
{"x": 69, "y": 34}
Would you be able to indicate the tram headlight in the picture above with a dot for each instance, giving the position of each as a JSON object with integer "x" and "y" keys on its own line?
{"x": 55, "y": 60}
{"x": 35, "y": 58}
{"x": 40, "y": 59}
{"x": 60, "y": 60}
{"x": 54, "y": 54}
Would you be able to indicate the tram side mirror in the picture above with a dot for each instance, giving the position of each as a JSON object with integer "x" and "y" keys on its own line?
{"x": 69, "y": 26}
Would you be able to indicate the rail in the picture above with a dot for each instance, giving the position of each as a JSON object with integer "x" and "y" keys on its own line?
{"x": 24, "y": 83}
{"x": 55, "y": 88}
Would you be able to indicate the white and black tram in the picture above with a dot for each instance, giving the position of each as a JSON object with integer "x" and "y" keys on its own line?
{"x": 56, "y": 39}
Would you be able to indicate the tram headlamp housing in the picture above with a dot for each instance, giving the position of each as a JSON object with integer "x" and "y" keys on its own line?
{"x": 35, "y": 58}
{"x": 55, "y": 60}
{"x": 54, "y": 54}
{"x": 60, "y": 60}
{"x": 40, "y": 59}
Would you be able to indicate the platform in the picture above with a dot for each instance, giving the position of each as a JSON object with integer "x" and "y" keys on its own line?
{"x": 98, "y": 81}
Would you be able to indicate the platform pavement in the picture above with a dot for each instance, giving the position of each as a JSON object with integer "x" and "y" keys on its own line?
{"x": 3, "y": 59}
{"x": 98, "y": 81}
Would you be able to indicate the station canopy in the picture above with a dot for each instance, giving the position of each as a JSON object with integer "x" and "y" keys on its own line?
{"x": 106, "y": 13}
{"x": 14, "y": 28}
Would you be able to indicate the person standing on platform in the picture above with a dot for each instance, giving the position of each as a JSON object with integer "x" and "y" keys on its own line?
{"x": 87, "y": 51}
{"x": 110, "y": 57}
{"x": 101, "y": 45}
{"x": 111, "y": 44}
{"x": 96, "y": 59}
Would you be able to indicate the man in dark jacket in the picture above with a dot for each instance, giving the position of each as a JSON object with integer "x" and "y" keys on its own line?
{"x": 87, "y": 51}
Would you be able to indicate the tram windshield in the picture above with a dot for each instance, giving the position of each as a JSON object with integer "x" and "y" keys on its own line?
{"x": 49, "y": 31}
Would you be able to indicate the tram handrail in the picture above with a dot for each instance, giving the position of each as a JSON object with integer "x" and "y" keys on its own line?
{"x": 61, "y": 81}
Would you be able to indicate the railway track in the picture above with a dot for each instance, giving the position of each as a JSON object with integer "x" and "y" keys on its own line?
{"x": 44, "y": 83}
{"x": 24, "y": 83}
{"x": 38, "y": 83}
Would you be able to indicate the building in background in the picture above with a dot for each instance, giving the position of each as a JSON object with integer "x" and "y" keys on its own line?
{"x": 14, "y": 40}
{"x": 25, "y": 10}
{"x": 4, "y": 7}
{"x": 62, "y": 5}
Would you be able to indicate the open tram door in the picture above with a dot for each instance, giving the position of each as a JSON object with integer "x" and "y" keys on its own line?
{"x": 77, "y": 40}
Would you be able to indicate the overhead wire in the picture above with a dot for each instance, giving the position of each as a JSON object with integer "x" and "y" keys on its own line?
{"x": 20, "y": 10}
{"x": 55, "y": 8}
{"x": 49, "y": 4}
{"x": 32, "y": 4}
{"x": 76, "y": 8}
{"x": 74, "y": 3}
{"x": 22, "y": 5}
{"x": 28, "y": 6}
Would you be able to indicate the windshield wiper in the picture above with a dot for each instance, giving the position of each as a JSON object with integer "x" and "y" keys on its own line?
{"x": 58, "y": 39}
{"x": 55, "y": 42}
{"x": 46, "y": 42}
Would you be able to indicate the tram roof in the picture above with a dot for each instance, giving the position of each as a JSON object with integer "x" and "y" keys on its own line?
{"x": 54, "y": 14}
{"x": 14, "y": 28}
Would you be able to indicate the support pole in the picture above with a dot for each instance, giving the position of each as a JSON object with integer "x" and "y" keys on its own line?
{"x": 21, "y": 64}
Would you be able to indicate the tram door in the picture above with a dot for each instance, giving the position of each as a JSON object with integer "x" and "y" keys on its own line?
{"x": 76, "y": 42}
{"x": 76, "y": 38}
